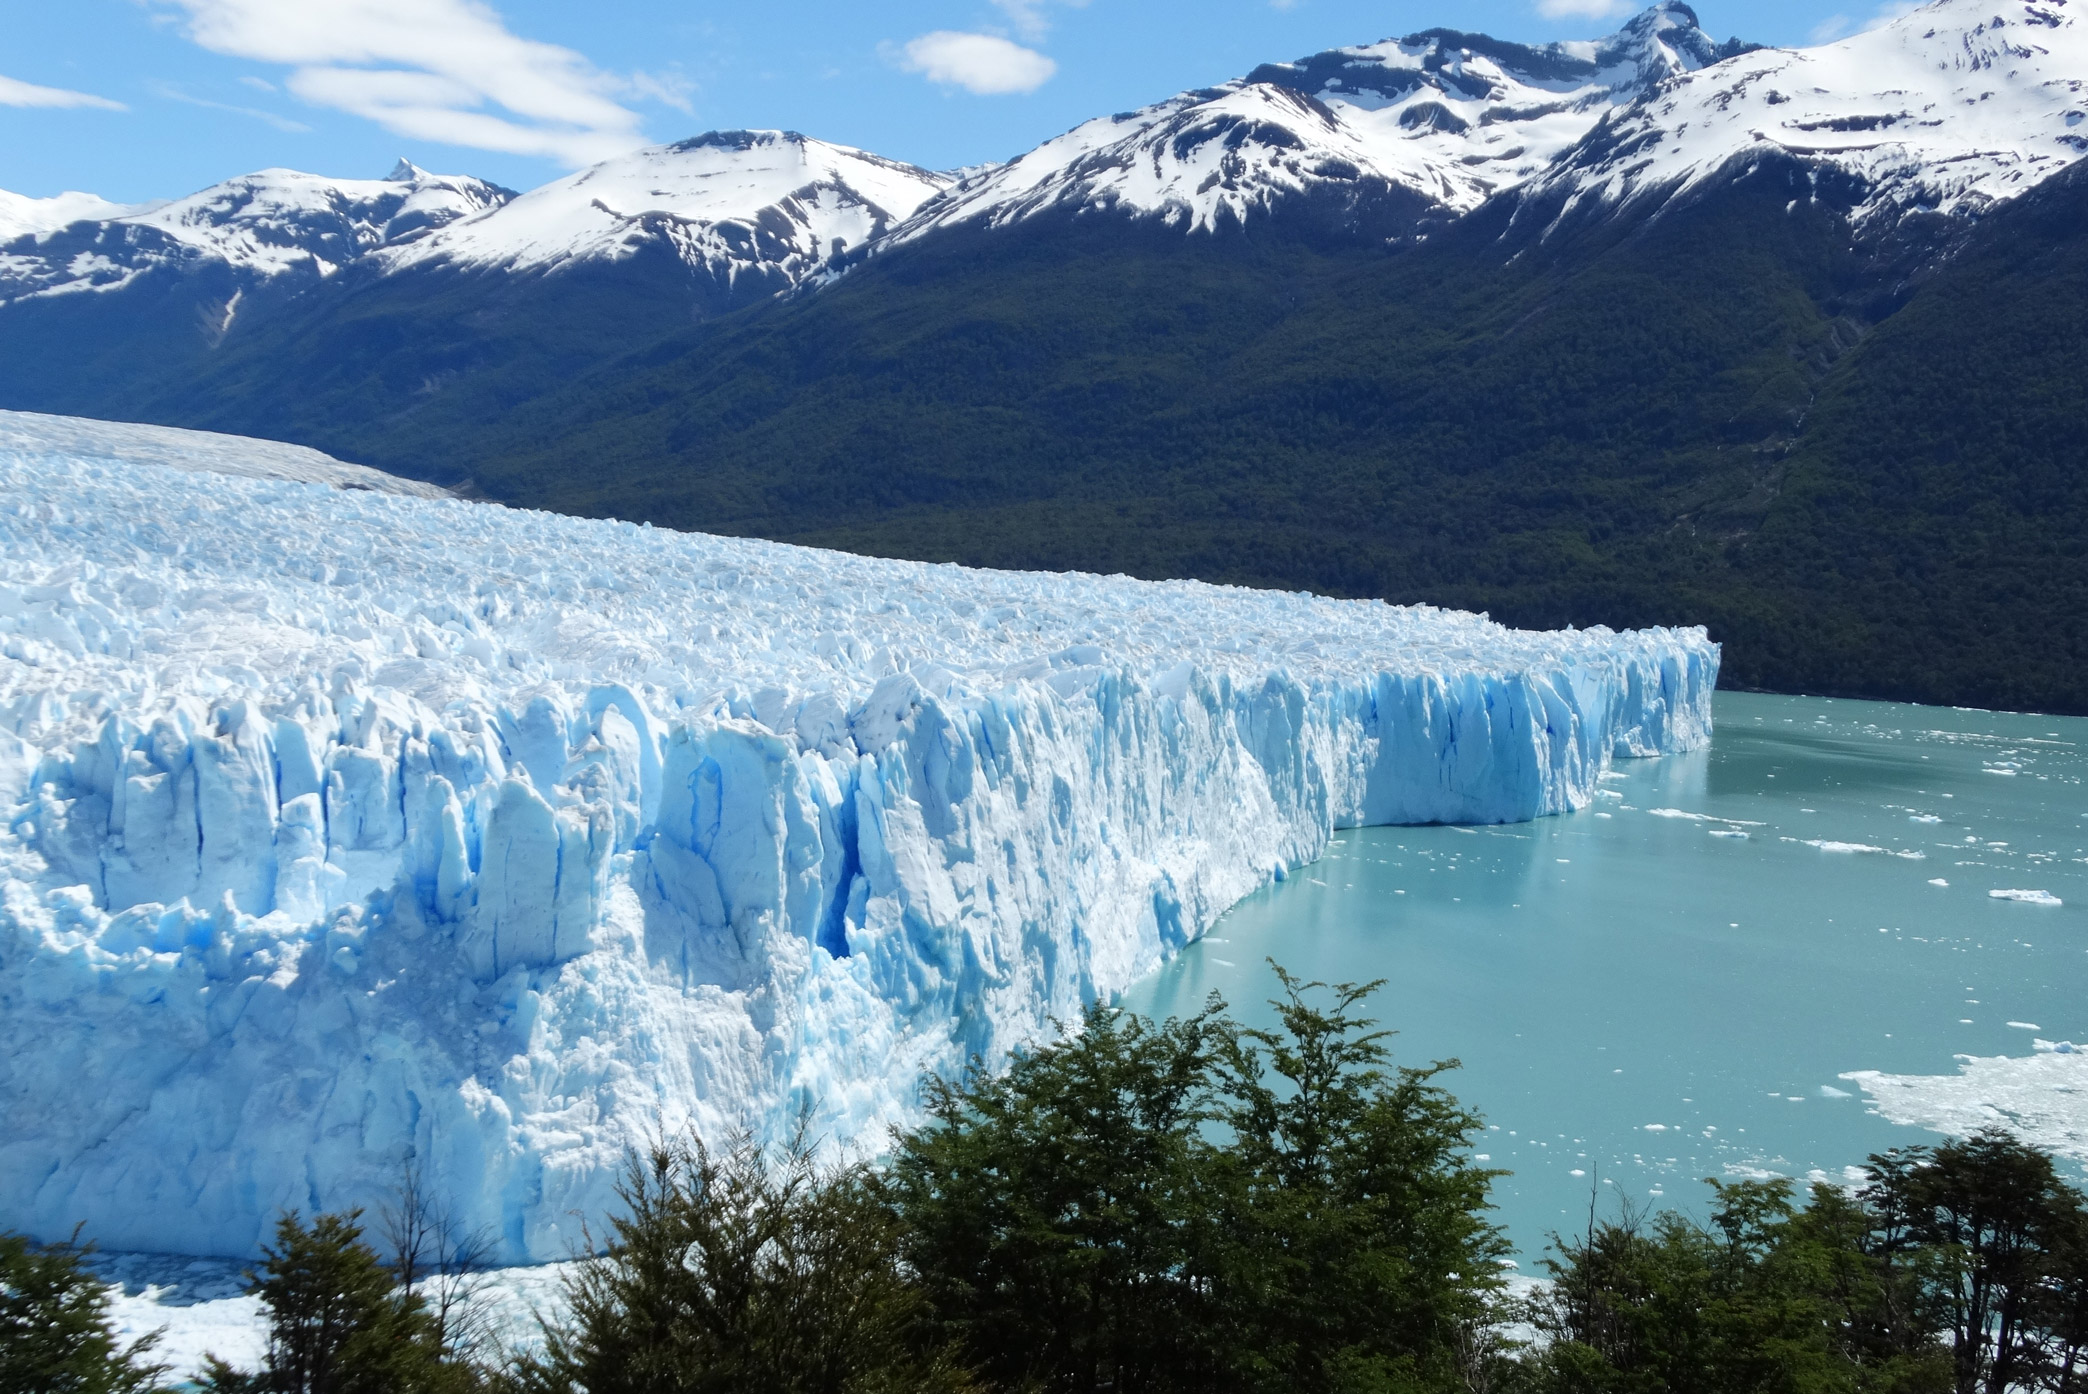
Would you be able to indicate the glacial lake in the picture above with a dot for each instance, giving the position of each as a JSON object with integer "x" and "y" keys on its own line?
{"x": 1640, "y": 998}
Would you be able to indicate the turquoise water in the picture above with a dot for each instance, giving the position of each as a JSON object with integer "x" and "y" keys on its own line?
{"x": 1641, "y": 999}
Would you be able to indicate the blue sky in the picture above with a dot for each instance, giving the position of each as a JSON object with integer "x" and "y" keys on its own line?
{"x": 137, "y": 99}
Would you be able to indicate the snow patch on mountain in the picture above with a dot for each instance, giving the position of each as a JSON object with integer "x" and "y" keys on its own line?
{"x": 338, "y": 827}
{"x": 724, "y": 202}
{"x": 1950, "y": 108}
{"x": 1445, "y": 119}
{"x": 22, "y": 216}
{"x": 267, "y": 225}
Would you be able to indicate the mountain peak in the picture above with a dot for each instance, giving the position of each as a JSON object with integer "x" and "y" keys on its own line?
{"x": 405, "y": 172}
{"x": 769, "y": 204}
{"x": 1951, "y": 108}
{"x": 1663, "y": 40}
{"x": 737, "y": 140}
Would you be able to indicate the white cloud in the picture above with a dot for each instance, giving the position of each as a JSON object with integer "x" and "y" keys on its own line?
{"x": 175, "y": 94}
{"x": 17, "y": 93}
{"x": 1830, "y": 29}
{"x": 1029, "y": 17}
{"x": 1581, "y": 9}
{"x": 983, "y": 63}
{"x": 668, "y": 89}
{"x": 440, "y": 70}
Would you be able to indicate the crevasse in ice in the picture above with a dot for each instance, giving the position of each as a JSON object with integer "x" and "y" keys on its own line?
{"x": 342, "y": 827}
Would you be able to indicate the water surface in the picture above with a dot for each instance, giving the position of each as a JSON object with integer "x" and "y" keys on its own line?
{"x": 1641, "y": 998}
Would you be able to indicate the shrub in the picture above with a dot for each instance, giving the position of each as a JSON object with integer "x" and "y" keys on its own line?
{"x": 55, "y": 1332}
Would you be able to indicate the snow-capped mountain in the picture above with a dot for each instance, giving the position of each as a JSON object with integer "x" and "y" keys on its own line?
{"x": 456, "y": 301}
{"x": 1947, "y": 108}
{"x": 726, "y": 202}
{"x": 1950, "y": 108}
{"x": 264, "y": 226}
{"x": 768, "y": 208}
{"x": 1438, "y": 121}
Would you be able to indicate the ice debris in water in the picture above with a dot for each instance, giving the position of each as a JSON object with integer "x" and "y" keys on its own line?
{"x": 341, "y": 826}
{"x": 2028, "y": 897}
{"x": 2041, "y": 1098}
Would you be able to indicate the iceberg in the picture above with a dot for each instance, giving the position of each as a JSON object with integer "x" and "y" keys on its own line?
{"x": 340, "y": 827}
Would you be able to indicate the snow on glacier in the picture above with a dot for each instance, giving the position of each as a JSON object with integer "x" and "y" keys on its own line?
{"x": 343, "y": 825}
{"x": 82, "y": 438}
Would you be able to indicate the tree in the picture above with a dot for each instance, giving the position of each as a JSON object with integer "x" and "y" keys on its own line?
{"x": 1195, "y": 1206}
{"x": 55, "y": 1332}
{"x": 1058, "y": 1216}
{"x": 740, "y": 1273}
{"x": 1740, "y": 1306}
{"x": 437, "y": 1258}
{"x": 338, "y": 1320}
{"x": 1356, "y": 1252}
{"x": 1999, "y": 1229}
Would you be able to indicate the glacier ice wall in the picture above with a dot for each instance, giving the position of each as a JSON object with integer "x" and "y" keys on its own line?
{"x": 341, "y": 827}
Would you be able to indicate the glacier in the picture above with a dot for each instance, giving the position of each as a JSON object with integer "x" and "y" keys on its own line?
{"x": 344, "y": 826}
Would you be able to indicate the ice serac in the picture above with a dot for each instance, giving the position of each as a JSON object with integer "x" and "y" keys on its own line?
{"x": 342, "y": 826}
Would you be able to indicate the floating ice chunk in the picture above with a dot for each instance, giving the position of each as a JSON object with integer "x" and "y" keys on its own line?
{"x": 1744, "y": 1172}
{"x": 1828, "y": 1091}
{"x": 1704, "y": 817}
{"x": 1727, "y": 832}
{"x": 2041, "y": 1098}
{"x": 1938, "y": 881}
{"x": 2026, "y": 1026}
{"x": 2027, "y": 897}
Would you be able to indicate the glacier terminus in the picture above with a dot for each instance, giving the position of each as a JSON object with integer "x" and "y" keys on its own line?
{"x": 343, "y": 827}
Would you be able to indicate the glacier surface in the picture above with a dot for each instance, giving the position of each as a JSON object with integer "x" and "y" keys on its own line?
{"x": 341, "y": 826}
